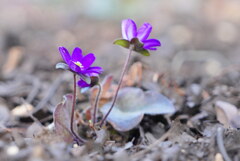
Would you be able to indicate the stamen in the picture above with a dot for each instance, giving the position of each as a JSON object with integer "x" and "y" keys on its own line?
{"x": 79, "y": 64}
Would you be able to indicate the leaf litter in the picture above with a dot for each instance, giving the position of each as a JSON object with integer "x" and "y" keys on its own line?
{"x": 185, "y": 134}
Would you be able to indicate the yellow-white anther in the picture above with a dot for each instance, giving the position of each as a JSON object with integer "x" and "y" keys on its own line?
{"x": 79, "y": 64}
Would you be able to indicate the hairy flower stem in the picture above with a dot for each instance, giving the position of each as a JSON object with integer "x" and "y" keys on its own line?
{"x": 76, "y": 138}
{"x": 96, "y": 104}
{"x": 119, "y": 85}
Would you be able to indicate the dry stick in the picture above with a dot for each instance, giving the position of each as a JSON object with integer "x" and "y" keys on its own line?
{"x": 50, "y": 93}
{"x": 119, "y": 85}
{"x": 221, "y": 144}
{"x": 36, "y": 87}
{"x": 150, "y": 147}
{"x": 76, "y": 137}
{"x": 96, "y": 104}
{"x": 31, "y": 115}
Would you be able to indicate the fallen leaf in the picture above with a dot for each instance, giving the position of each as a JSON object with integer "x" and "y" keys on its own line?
{"x": 121, "y": 155}
{"x": 131, "y": 105}
{"x": 218, "y": 157}
{"x": 226, "y": 112}
{"x": 14, "y": 57}
{"x": 36, "y": 133}
{"x": 22, "y": 110}
{"x": 34, "y": 130}
{"x": 235, "y": 121}
{"x": 62, "y": 118}
{"x": 102, "y": 136}
{"x": 134, "y": 75}
{"x": 106, "y": 92}
{"x": 4, "y": 115}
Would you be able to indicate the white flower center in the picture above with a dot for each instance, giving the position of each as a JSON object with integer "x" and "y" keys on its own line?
{"x": 79, "y": 64}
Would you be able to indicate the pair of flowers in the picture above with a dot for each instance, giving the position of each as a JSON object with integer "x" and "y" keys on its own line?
{"x": 81, "y": 65}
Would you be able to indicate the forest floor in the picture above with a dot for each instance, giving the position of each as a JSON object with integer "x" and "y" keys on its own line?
{"x": 197, "y": 68}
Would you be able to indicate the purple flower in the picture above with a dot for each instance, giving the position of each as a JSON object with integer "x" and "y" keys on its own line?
{"x": 130, "y": 31}
{"x": 80, "y": 64}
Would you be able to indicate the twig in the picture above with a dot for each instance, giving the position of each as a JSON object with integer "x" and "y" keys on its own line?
{"x": 150, "y": 147}
{"x": 30, "y": 114}
{"x": 221, "y": 144}
{"x": 50, "y": 93}
{"x": 36, "y": 85}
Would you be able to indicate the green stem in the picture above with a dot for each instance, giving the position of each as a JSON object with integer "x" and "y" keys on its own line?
{"x": 96, "y": 104}
{"x": 79, "y": 140}
{"x": 119, "y": 85}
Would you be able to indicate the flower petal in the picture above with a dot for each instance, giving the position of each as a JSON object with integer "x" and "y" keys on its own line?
{"x": 151, "y": 48}
{"x": 92, "y": 71}
{"x": 77, "y": 54}
{"x": 65, "y": 54}
{"x": 74, "y": 67}
{"x": 87, "y": 60}
{"x": 144, "y": 31}
{"x": 96, "y": 69}
{"x": 150, "y": 44}
{"x": 129, "y": 29}
{"x": 81, "y": 83}
{"x": 91, "y": 74}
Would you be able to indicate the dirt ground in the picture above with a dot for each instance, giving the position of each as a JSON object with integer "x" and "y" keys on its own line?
{"x": 197, "y": 68}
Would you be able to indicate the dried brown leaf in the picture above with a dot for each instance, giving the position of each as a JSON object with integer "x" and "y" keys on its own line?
{"x": 134, "y": 75}
{"x": 22, "y": 110}
{"x": 4, "y": 115}
{"x": 106, "y": 92}
{"x": 225, "y": 113}
{"x": 235, "y": 121}
{"x": 13, "y": 59}
{"x": 62, "y": 118}
{"x": 41, "y": 134}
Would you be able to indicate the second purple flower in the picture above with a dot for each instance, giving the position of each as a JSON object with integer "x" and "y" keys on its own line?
{"x": 130, "y": 31}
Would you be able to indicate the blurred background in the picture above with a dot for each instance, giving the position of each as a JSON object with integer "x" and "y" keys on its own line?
{"x": 40, "y": 26}
{"x": 199, "y": 38}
